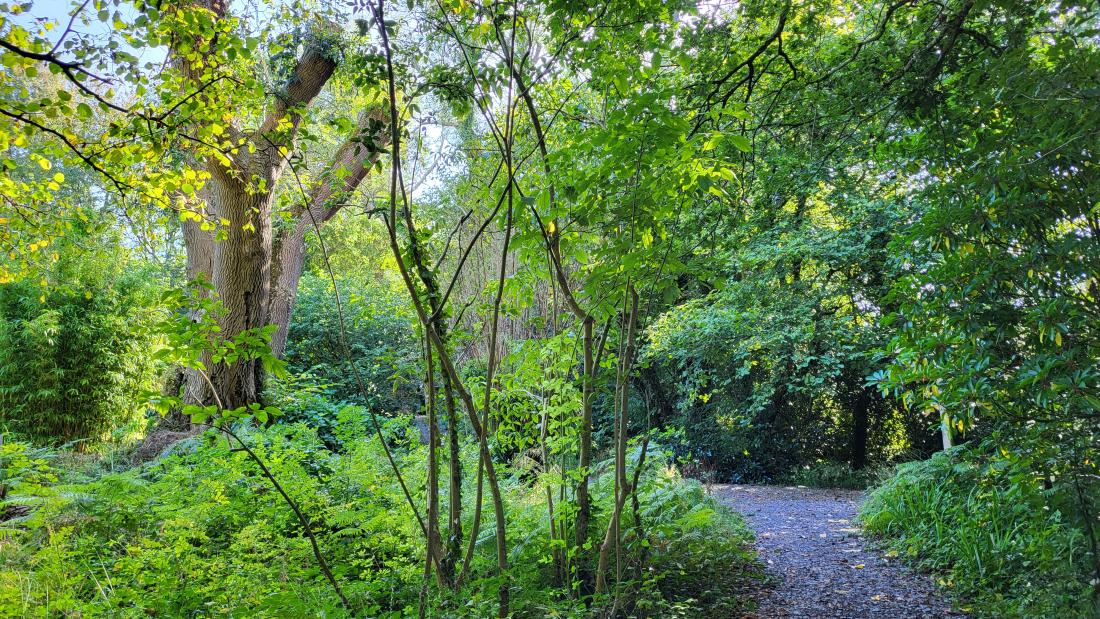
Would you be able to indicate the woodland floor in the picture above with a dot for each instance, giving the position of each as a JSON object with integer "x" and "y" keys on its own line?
{"x": 819, "y": 565}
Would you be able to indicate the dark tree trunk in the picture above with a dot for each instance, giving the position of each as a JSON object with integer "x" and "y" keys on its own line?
{"x": 864, "y": 400}
{"x": 650, "y": 380}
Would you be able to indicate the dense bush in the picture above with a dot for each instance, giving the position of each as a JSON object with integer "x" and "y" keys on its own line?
{"x": 379, "y": 335}
{"x": 24, "y": 473}
{"x": 202, "y": 533}
{"x": 993, "y": 531}
{"x": 74, "y": 345}
{"x": 824, "y": 474}
{"x": 761, "y": 386}
{"x": 302, "y": 401}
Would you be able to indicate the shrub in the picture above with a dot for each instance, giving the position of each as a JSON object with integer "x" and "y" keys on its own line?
{"x": 704, "y": 557}
{"x": 24, "y": 472}
{"x": 73, "y": 348}
{"x": 762, "y": 384}
{"x": 203, "y": 534}
{"x": 302, "y": 401}
{"x": 379, "y": 334}
{"x": 823, "y": 474}
{"x": 991, "y": 532}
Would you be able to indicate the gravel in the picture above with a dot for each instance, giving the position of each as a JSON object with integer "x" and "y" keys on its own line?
{"x": 810, "y": 542}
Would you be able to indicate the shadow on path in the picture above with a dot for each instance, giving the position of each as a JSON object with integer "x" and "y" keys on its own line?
{"x": 810, "y": 542}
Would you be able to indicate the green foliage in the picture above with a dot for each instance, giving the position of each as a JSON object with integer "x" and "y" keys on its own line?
{"x": 998, "y": 303}
{"x": 25, "y": 472}
{"x": 802, "y": 195}
{"x": 201, "y": 533}
{"x": 380, "y": 336}
{"x": 826, "y": 474}
{"x": 992, "y": 530}
{"x": 764, "y": 382}
{"x": 696, "y": 547}
{"x": 74, "y": 346}
{"x": 996, "y": 330}
{"x": 301, "y": 401}
{"x": 536, "y": 395}
{"x": 53, "y": 100}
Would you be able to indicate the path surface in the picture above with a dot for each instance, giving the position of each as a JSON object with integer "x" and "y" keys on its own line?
{"x": 809, "y": 540}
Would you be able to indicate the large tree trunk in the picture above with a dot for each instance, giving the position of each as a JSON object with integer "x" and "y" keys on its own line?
{"x": 241, "y": 276}
{"x": 254, "y": 272}
{"x": 199, "y": 245}
{"x": 242, "y": 192}
{"x": 255, "y": 275}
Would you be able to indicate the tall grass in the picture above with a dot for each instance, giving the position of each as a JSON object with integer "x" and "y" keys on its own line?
{"x": 989, "y": 532}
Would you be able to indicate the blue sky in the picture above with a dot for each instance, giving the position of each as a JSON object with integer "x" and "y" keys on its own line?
{"x": 59, "y": 11}
{"x": 56, "y": 10}
{"x": 51, "y": 8}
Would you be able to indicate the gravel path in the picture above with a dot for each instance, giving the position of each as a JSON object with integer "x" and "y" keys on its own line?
{"x": 809, "y": 540}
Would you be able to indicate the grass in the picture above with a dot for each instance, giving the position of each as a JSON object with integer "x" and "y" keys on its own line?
{"x": 989, "y": 534}
{"x": 823, "y": 474}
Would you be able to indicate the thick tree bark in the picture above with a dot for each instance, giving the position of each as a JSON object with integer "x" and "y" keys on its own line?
{"x": 243, "y": 193}
{"x": 199, "y": 245}
{"x": 241, "y": 276}
{"x": 255, "y": 275}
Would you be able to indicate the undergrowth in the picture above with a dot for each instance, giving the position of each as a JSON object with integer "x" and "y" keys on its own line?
{"x": 824, "y": 474}
{"x": 990, "y": 531}
{"x": 202, "y": 534}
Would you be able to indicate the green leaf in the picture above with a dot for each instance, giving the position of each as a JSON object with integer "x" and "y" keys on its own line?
{"x": 741, "y": 143}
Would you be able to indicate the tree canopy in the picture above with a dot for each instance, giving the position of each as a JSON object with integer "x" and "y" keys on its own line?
{"x": 770, "y": 241}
